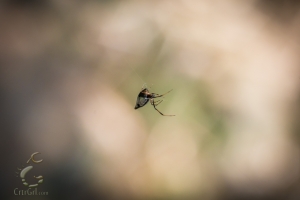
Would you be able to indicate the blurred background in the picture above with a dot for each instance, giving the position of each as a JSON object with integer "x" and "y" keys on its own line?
{"x": 71, "y": 72}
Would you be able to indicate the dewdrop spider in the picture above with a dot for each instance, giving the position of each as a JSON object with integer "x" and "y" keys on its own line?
{"x": 145, "y": 96}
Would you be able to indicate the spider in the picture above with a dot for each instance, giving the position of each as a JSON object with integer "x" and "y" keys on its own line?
{"x": 144, "y": 97}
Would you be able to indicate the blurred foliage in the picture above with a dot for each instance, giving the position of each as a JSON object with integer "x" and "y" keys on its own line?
{"x": 71, "y": 72}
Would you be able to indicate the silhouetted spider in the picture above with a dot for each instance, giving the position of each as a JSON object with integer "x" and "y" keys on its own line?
{"x": 144, "y": 97}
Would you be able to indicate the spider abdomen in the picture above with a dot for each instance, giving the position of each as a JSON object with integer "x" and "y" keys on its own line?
{"x": 140, "y": 102}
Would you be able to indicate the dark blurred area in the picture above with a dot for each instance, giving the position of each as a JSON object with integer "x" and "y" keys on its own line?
{"x": 70, "y": 72}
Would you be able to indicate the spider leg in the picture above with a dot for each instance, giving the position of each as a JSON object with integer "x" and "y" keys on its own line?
{"x": 157, "y": 95}
{"x": 153, "y": 103}
{"x": 158, "y": 102}
{"x": 160, "y": 95}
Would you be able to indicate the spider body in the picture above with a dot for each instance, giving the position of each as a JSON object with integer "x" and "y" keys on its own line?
{"x": 145, "y": 96}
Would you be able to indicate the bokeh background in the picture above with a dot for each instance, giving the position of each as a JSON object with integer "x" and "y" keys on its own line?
{"x": 71, "y": 72}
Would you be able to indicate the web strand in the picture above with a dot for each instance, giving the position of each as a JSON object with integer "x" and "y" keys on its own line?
{"x": 144, "y": 83}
